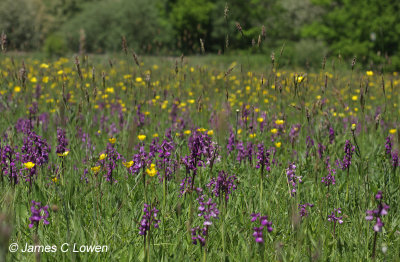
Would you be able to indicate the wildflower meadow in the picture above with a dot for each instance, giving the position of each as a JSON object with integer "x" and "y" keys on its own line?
{"x": 137, "y": 158}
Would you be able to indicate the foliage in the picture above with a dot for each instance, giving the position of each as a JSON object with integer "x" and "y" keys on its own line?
{"x": 55, "y": 45}
{"x": 369, "y": 30}
{"x": 106, "y": 22}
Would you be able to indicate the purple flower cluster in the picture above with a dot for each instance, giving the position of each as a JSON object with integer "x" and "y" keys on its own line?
{"x": 395, "y": 159}
{"x": 166, "y": 163}
{"x": 38, "y": 213}
{"x": 292, "y": 178}
{"x": 207, "y": 210}
{"x": 23, "y": 125}
{"x": 8, "y": 163}
{"x": 231, "y": 142}
{"x": 377, "y": 213}
{"x": 241, "y": 152}
{"x": 331, "y": 135}
{"x": 223, "y": 185}
{"x": 348, "y": 154}
{"x": 330, "y": 178}
{"x": 263, "y": 161}
{"x": 62, "y": 142}
{"x": 111, "y": 162}
{"x": 149, "y": 218}
{"x": 388, "y": 146}
{"x": 335, "y": 217}
{"x": 140, "y": 117}
{"x": 35, "y": 149}
{"x": 303, "y": 209}
{"x": 140, "y": 160}
{"x": 199, "y": 234}
{"x": 258, "y": 231}
{"x": 202, "y": 151}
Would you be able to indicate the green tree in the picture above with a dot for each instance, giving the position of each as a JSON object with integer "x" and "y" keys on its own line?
{"x": 369, "y": 30}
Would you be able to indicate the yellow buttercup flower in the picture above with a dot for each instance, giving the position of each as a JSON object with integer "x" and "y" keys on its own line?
{"x": 187, "y": 132}
{"x": 279, "y": 122}
{"x": 201, "y": 129}
{"x": 55, "y": 179}
{"x": 128, "y": 164}
{"x": 253, "y": 135}
{"x": 299, "y": 79}
{"x": 17, "y": 89}
{"x": 155, "y": 135}
{"x": 392, "y": 131}
{"x": 112, "y": 140}
{"x": 210, "y": 132}
{"x": 102, "y": 156}
{"x": 354, "y": 98}
{"x": 370, "y": 73}
{"x": 33, "y": 79}
{"x": 152, "y": 171}
{"x": 29, "y": 165}
{"x": 141, "y": 137}
{"x": 96, "y": 169}
{"x": 139, "y": 79}
{"x": 260, "y": 119}
{"x": 63, "y": 154}
{"x": 278, "y": 144}
{"x": 353, "y": 127}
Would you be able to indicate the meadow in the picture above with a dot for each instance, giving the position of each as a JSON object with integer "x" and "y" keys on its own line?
{"x": 207, "y": 158}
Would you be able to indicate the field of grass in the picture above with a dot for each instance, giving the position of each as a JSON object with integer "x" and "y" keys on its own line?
{"x": 197, "y": 159}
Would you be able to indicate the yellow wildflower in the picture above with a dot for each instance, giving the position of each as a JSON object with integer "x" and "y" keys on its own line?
{"x": 274, "y": 131}
{"x": 141, "y": 137}
{"x": 278, "y": 144}
{"x": 152, "y": 171}
{"x": 95, "y": 169}
{"x": 63, "y": 154}
{"x": 128, "y": 164}
{"x": 392, "y": 131}
{"x": 102, "y": 156}
{"x": 112, "y": 140}
{"x": 279, "y": 122}
{"x": 29, "y": 165}
{"x": 210, "y": 132}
